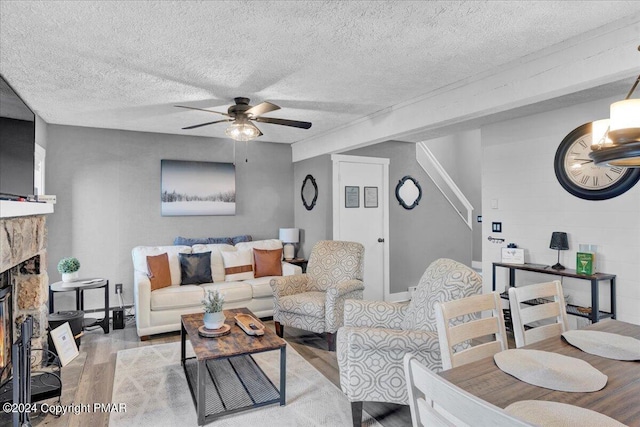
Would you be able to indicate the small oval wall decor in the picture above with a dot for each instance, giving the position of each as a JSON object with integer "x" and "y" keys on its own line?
{"x": 408, "y": 192}
{"x": 309, "y": 192}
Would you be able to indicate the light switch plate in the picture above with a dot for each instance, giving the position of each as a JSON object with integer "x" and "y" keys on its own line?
{"x": 496, "y": 227}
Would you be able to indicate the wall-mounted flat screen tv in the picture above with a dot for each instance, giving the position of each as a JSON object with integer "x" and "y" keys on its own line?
{"x": 17, "y": 144}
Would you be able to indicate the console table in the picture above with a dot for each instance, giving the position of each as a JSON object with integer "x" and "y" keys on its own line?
{"x": 595, "y": 280}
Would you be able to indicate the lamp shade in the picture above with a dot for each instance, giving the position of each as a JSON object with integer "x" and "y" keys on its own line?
{"x": 559, "y": 241}
{"x": 290, "y": 235}
{"x": 625, "y": 121}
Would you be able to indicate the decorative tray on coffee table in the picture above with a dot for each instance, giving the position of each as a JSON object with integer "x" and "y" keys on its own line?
{"x": 249, "y": 324}
{"x": 214, "y": 333}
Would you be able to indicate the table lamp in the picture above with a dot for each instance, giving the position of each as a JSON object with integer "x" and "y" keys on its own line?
{"x": 289, "y": 236}
{"x": 560, "y": 242}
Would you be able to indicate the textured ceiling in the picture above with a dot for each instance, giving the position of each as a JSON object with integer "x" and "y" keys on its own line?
{"x": 124, "y": 65}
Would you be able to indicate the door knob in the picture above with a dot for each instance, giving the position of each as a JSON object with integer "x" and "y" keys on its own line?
{"x": 380, "y": 239}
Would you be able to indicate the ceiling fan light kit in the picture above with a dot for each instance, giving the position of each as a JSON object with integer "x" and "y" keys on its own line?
{"x": 242, "y": 114}
{"x": 616, "y": 141}
{"x": 242, "y": 131}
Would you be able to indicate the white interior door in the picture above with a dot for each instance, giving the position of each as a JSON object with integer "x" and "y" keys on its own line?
{"x": 361, "y": 214}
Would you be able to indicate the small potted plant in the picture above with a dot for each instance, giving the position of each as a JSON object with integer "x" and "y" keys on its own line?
{"x": 69, "y": 267}
{"x": 213, "y": 316}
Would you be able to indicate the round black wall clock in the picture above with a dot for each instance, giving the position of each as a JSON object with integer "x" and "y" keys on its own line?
{"x": 577, "y": 173}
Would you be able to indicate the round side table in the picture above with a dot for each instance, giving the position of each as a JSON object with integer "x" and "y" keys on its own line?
{"x": 79, "y": 286}
{"x": 300, "y": 262}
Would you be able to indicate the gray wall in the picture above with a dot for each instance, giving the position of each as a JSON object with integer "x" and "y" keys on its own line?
{"x": 316, "y": 224}
{"x": 418, "y": 236}
{"x": 461, "y": 156}
{"x": 107, "y": 184}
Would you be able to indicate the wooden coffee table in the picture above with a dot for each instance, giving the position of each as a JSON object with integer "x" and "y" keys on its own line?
{"x": 223, "y": 377}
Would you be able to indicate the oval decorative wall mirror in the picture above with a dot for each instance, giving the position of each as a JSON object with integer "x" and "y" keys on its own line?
{"x": 309, "y": 192}
{"x": 408, "y": 192}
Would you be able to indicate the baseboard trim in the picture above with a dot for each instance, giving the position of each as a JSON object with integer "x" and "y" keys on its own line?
{"x": 91, "y": 311}
{"x": 476, "y": 264}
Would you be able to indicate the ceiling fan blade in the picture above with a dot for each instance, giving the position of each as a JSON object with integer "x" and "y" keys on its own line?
{"x": 283, "y": 122}
{"x": 202, "y": 109}
{"x": 206, "y": 124}
{"x": 261, "y": 109}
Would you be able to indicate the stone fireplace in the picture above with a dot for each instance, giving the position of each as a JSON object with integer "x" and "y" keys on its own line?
{"x": 23, "y": 242}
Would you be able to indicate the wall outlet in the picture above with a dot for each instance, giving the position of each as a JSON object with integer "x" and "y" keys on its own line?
{"x": 118, "y": 288}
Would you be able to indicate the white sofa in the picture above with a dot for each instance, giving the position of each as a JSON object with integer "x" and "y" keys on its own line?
{"x": 159, "y": 311}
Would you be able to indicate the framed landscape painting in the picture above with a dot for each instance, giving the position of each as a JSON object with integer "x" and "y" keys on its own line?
{"x": 197, "y": 188}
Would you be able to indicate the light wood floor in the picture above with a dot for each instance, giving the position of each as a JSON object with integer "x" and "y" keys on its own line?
{"x": 89, "y": 378}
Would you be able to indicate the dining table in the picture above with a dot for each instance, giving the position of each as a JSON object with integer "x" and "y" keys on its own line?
{"x": 619, "y": 399}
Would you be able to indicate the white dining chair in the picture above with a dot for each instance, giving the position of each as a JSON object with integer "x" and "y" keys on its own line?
{"x": 553, "y": 309}
{"x": 430, "y": 395}
{"x": 457, "y": 326}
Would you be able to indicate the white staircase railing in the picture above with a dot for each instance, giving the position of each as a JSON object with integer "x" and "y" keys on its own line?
{"x": 445, "y": 184}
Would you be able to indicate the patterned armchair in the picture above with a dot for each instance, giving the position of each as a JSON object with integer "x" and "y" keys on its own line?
{"x": 315, "y": 301}
{"x": 376, "y": 336}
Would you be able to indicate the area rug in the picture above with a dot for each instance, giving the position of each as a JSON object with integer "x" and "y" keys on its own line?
{"x": 151, "y": 382}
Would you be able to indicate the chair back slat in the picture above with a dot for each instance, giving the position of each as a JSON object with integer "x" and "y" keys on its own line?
{"x": 539, "y": 312}
{"x": 522, "y": 315}
{"x": 472, "y": 304}
{"x": 476, "y": 353}
{"x": 462, "y": 334}
{"x": 539, "y": 290}
{"x": 543, "y": 332}
{"x": 475, "y": 329}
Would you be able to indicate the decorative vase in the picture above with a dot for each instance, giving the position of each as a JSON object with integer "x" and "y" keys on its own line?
{"x": 214, "y": 320}
{"x": 70, "y": 277}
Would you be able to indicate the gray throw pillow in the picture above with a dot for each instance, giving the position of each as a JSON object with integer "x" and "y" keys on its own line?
{"x": 240, "y": 239}
{"x": 189, "y": 241}
{"x": 195, "y": 268}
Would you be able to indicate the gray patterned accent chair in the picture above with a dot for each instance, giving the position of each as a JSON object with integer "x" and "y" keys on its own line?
{"x": 376, "y": 336}
{"x": 314, "y": 301}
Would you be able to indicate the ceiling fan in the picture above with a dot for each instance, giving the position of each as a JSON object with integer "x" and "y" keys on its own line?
{"x": 242, "y": 115}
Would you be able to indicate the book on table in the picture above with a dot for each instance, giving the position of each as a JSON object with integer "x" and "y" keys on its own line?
{"x": 585, "y": 262}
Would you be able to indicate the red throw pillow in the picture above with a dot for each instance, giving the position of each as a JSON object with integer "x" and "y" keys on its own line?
{"x": 159, "y": 273}
{"x": 268, "y": 262}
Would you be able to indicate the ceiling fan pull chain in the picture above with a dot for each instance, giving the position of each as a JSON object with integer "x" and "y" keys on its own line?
{"x": 246, "y": 151}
